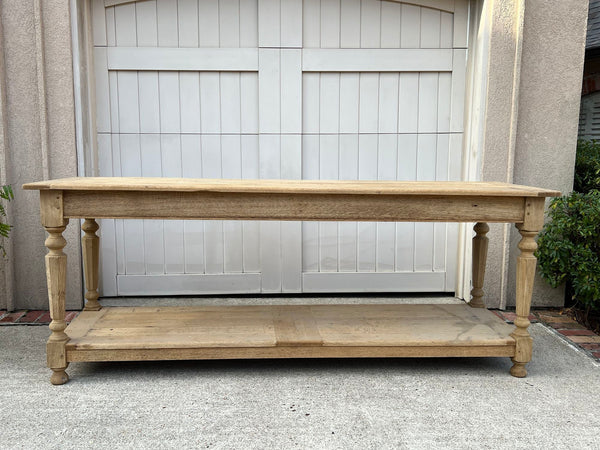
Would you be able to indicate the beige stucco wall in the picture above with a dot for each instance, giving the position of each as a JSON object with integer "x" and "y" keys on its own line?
{"x": 549, "y": 95}
{"x": 40, "y": 138}
{"x": 533, "y": 78}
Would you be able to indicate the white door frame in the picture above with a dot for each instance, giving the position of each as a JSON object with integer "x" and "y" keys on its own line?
{"x": 480, "y": 31}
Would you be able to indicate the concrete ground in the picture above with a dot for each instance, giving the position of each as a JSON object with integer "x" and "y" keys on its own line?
{"x": 322, "y": 404}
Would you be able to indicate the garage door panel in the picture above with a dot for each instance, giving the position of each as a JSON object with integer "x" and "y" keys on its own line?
{"x": 382, "y": 24}
{"x": 312, "y": 89}
{"x": 181, "y": 23}
{"x": 376, "y": 102}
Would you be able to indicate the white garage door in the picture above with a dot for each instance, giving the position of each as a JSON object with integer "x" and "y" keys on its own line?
{"x": 314, "y": 89}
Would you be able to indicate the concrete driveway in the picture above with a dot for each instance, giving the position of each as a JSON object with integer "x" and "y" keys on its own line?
{"x": 329, "y": 404}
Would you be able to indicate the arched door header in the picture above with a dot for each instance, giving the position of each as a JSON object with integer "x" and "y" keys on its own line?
{"x": 442, "y": 5}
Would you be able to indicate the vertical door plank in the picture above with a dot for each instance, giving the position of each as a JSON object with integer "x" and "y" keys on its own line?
{"x": 230, "y": 104}
{"x": 455, "y": 153}
{"x": 446, "y": 30}
{"x": 173, "y": 229}
{"x": 208, "y": 23}
{"x": 348, "y": 231}
{"x": 311, "y": 24}
{"x": 291, "y": 24}
{"x": 459, "y": 66}
{"x": 229, "y": 23}
{"x": 103, "y": 92}
{"x": 370, "y": 24}
{"x": 149, "y": 102}
{"x": 193, "y": 230}
{"x": 210, "y": 102}
{"x": 430, "y": 28}
{"x": 291, "y": 232}
{"x": 98, "y": 23}
{"x": 270, "y": 231}
{"x": 232, "y": 230}
{"x": 405, "y": 232}
{"x": 310, "y": 230}
{"x": 330, "y": 24}
{"x": 213, "y": 229}
{"x": 248, "y": 23}
{"x": 187, "y": 23}
{"x": 269, "y": 25}
{"x": 388, "y": 103}
{"x": 166, "y": 12}
{"x": 368, "y": 103}
{"x": 461, "y": 20}
{"x": 443, "y": 101}
{"x": 440, "y": 229}
{"x": 269, "y": 106}
{"x": 410, "y": 26}
{"x": 328, "y": 170}
{"x": 249, "y": 102}
{"x": 367, "y": 231}
{"x": 455, "y": 157}
{"x": 390, "y": 24}
{"x": 349, "y": 102}
{"x": 426, "y": 158}
{"x": 291, "y": 91}
{"x": 129, "y": 119}
{"x": 310, "y": 102}
{"x": 251, "y": 228}
{"x": 111, "y": 38}
{"x": 151, "y": 163}
{"x": 114, "y": 101}
{"x": 329, "y": 105}
{"x": 108, "y": 257}
{"x": 408, "y": 103}
{"x": 189, "y": 101}
{"x": 349, "y": 24}
{"x": 125, "y": 28}
{"x": 168, "y": 86}
{"x": 386, "y": 231}
{"x": 146, "y": 24}
{"x": 428, "y": 94}
{"x": 134, "y": 229}
{"x": 119, "y": 232}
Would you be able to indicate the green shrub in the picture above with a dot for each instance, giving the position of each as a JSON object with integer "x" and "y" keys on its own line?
{"x": 6, "y": 193}
{"x": 587, "y": 167}
{"x": 569, "y": 246}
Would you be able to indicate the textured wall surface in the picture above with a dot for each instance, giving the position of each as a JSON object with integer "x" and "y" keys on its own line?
{"x": 40, "y": 136}
{"x": 551, "y": 72}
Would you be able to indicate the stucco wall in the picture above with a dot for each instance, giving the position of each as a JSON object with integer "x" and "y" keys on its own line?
{"x": 40, "y": 137}
{"x": 549, "y": 96}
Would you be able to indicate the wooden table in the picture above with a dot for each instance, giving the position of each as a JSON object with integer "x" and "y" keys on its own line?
{"x": 291, "y": 331}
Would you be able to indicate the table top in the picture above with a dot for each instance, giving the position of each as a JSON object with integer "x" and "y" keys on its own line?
{"x": 458, "y": 188}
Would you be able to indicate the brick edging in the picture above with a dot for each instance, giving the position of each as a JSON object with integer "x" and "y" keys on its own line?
{"x": 573, "y": 332}
{"x": 31, "y": 317}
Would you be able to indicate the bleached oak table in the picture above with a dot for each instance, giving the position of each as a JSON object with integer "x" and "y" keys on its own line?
{"x": 291, "y": 331}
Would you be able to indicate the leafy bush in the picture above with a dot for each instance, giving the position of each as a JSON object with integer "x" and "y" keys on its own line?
{"x": 6, "y": 193}
{"x": 569, "y": 246}
{"x": 587, "y": 167}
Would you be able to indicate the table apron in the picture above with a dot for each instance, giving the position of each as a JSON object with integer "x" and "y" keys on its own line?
{"x": 269, "y": 206}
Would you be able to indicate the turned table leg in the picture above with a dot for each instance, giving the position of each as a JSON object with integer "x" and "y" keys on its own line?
{"x": 480, "y": 249}
{"x": 526, "y": 262}
{"x": 90, "y": 243}
{"x": 56, "y": 274}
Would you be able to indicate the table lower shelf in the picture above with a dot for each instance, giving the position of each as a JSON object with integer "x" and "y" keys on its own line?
{"x": 287, "y": 331}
